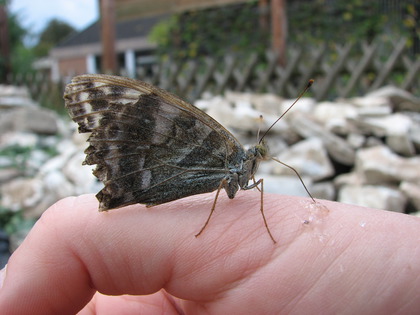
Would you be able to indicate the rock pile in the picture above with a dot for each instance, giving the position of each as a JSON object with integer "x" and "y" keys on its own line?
{"x": 362, "y": 150}
{"x": 40, "y": 156}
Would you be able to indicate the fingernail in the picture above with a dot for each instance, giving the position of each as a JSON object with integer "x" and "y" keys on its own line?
{"x": 2, "y": 276}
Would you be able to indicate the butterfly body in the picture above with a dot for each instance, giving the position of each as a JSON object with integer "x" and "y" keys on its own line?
{"x": 151, "y": 147}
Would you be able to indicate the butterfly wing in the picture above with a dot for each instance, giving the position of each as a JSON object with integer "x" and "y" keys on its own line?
{"x": 150, "y": 146}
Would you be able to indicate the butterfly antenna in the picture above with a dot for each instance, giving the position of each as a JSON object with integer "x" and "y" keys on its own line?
{"x": 300, "y": 178}
{"x": 259, "y": 126}
{"x": 310, "y": 82}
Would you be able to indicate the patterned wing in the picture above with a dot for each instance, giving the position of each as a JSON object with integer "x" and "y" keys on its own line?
{"x": 150, "y": 146}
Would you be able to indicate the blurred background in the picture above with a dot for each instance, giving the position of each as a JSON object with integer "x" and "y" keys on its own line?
{"x": 192, "y": 46}
{"x": 355, "y": 136}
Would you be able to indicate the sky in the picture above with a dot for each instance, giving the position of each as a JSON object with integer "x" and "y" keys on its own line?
{"x": 34, "y": 15}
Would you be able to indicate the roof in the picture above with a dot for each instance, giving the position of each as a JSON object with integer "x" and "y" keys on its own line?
{"x": 134, "y": 28}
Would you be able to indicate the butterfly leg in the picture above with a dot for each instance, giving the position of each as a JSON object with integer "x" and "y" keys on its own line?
{"x": 255, "y": 184}
{"x": 222, "y": 184}
{"x": 261, "y": 183}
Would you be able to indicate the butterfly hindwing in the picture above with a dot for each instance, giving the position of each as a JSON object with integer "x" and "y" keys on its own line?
{"x": 150, "y": 146}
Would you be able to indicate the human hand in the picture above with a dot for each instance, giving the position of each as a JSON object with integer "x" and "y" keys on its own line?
{"x": 331, "y": 258}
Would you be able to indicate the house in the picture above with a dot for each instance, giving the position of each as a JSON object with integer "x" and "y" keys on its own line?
{"x": 80, "y": 53}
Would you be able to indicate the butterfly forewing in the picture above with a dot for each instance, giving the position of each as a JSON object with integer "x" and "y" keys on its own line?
{"x": 150, "y": 146}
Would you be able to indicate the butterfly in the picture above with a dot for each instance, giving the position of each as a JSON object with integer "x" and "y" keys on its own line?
{"x": 151, "y": 147}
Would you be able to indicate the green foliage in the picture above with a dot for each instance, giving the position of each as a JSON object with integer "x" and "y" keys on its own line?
{"x": 354, "y": 20}
{"x": 236, "y": 28}
{"x": 13, "y": 221}
{"x": 211, "y": 32}
{"x": 53, "y": 33}
{"x": 18, "y": 154}
{"x": 21, "y": 57}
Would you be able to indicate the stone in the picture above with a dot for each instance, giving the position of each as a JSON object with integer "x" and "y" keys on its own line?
{"x": 80, "y": 176}
{"x": 7, "y": 174}
{"x": 263, "y": 103}
{"x": 401, "y": 143}
{"x": 412, "y": 191}
{"x": 57, "y": 184}
{"x": 373, "y": 142}
{"x": 379, "y": 197}
{"x": 285, "y": 185}
{"x": 304, "y": 105}
{"x": 14, "y": 96}
{"x": 380, "y": 165}
{"x": 325, "y": 112}
{"x": 349, "y": 179}
{"x": 338, "y": 148}
{"x": 374, "y": 111}
{"x": 21, "y": 139}
{"x": 323, "y": 190}
{"x": 6, "y": 161}
{"x": 267, "y": 103}
{"x": 22, "y": 193}
{"x": 309, "y": 158}
{"x": 30, "y": 119}
{"x": 395, "y": 124}
{"x": 66, "y": 149}
{"x": 356, "y": 140}
{"x": 334, "y": 116}
{"x": 36, "y": 159}
{"x": 399, "y": 98}
{"x": 372, "y": 101}
{"x": 414, "y": 133}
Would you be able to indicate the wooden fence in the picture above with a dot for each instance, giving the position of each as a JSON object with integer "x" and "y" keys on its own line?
{"x": 340, "y": 71}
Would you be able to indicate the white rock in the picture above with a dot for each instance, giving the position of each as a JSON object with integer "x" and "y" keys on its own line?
{"x": 337, "y": 147}
{"x": 395, "y": 124}
{"x": 380, "y": 165}
{"x": 7, "y": 174}
{"x": 379, "y": 197}
{"x": 22, "y": 139}
{"x": 324, "y": 112}
{"x": 22, "y": 193}
{"x": 324, "y": 190}
{"x": 79, "y": 175}
{"x": 371, "y": 101}
{"x": 304, "y": 105}
{"x": 309, "y": 158}
{"x": 221, "y": 110}
{"x": 6, "y": 161}
{"x": 401, "y": 143}
{"x": 399, "y": 98}
{"x": 267, "y": 104}
{"x": 37, "y": 159}
{"x": 13, "y": 90}
{"x": 285, "y": 185}
{"x": 30, "y": 119}
{"x": 412, "y": 191}
{"x": 356, "y": 140}
{"x": 58, "y": 186}
{"x": 377, "y": 111}
{"x": 351, "y": 179}
{"x": 414, "y": 135}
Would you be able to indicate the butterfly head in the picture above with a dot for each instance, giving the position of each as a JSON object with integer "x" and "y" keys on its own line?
{"x": 254, "y": 156}
{"x": 261, "y": 151}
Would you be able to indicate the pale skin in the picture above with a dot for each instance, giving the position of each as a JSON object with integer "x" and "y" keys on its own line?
{"x": 329, "y": 259}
